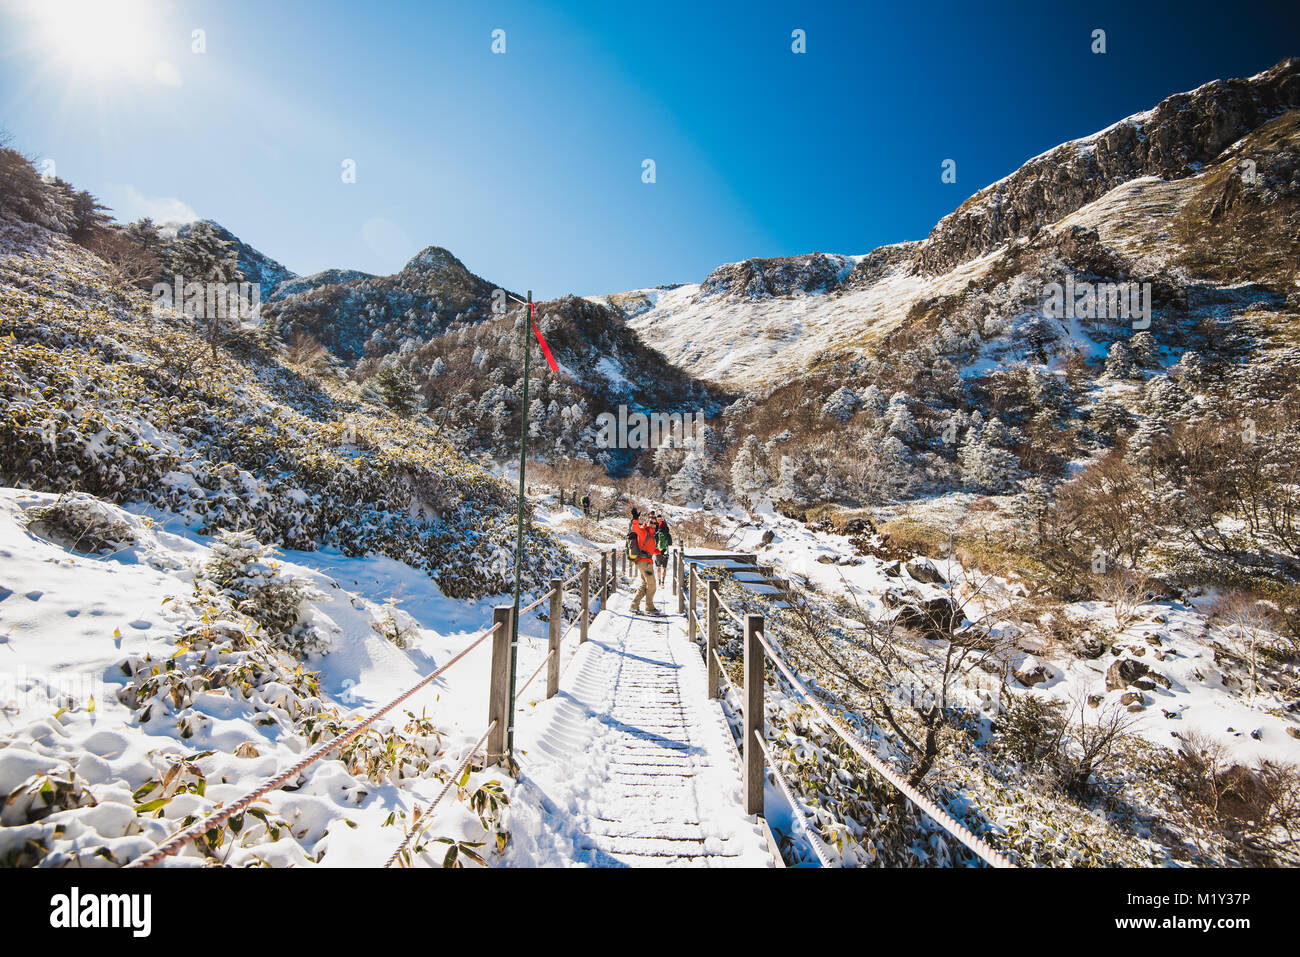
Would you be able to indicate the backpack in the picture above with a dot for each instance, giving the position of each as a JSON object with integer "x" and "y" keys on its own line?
{"x": 663, "y": 538}
{"x": 634, "y": 550}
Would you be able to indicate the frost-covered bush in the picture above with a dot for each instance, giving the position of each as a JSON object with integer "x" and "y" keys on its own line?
{"x": 242, "y": 568}
{"x": 82, "y": 523}
{"x": 396, "y": 626}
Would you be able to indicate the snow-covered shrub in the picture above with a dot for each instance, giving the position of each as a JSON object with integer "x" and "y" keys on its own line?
{"x": 841, "y": 404}
{"x": 396, "y": 626}
{"x": 242, "y": 568}
{"x": 986, "y": 467}
{"x": 82, "y": 523}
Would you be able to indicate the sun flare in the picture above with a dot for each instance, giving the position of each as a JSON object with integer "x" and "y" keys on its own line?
{"x": 104, "y": 37}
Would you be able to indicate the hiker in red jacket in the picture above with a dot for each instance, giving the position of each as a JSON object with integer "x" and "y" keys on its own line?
{"x": 642, "y": 550}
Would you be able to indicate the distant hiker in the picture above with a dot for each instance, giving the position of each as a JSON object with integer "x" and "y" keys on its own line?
{"x": 663, "y": 541}
{"x": 641, "y": 550}
{"x": 586, "y": 505}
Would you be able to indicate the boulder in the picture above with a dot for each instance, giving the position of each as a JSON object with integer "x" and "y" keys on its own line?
{"x": 1123, "y": 673}
{"x": 1132, "y": 697}
{"x": 1090, "y": 646}
{"x": 767, "y": 538}
{"x": 892, "y": 569}
{"x": 925, "y": 572}
{"x": 857, "y": 526}
{"x": 1032, "y": 672}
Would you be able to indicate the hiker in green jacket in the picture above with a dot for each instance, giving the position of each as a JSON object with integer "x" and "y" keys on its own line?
{"x": 663, "y": 541}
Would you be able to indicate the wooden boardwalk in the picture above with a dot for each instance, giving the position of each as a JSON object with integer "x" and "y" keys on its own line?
{"x": 631, "y": 764}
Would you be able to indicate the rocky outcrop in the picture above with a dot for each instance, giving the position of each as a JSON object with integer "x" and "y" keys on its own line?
{"x": 1124, "y": 672}
{"x": 1174, "y": 140}
{"x": 878, "y": 263}
{"x": 784, "y": 276}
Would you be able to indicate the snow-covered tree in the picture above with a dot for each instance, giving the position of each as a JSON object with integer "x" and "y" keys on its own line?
{"x": 1144, "y": 349}
{"x": 986, "y": 467}
{"x": 1119, "y": 361}
{"x": 688, "y": 485}
{"x": 749, "y": 475}
{"x": 396, "y": 388}
{"x": 841, "y": 404}
{"x": 898, "y": 418}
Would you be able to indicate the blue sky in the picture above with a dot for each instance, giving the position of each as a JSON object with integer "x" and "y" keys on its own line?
{"x": 528, "y": 164}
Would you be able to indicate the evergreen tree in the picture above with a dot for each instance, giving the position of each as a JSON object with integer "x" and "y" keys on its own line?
{"x": 1119, "y": 361}
{"x": 841, "y": 404}
{"x": 202, "y": 255}
{"x": 749, "y": 476}
{"x": 688, "y": 485}
{"x": 397, "y": 389}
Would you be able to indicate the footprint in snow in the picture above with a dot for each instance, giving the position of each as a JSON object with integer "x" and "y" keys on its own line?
{"x": 140, "y": 624}
{"x": 5, "y": 592}
{"x": 74, "y": 612}
{"x": 34, "y": 595}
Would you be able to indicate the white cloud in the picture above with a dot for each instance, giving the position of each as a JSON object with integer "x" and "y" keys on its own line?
{"x": 131, "y": 204}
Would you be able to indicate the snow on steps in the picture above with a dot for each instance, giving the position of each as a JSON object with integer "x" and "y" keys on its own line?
{"x": 630, "y": 765}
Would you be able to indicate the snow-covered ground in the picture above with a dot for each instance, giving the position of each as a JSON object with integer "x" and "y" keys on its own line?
{"x": 1171, "y": 638}
{"x": 69, "y": 620}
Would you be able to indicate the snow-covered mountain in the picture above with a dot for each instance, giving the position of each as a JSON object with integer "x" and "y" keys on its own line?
{"x": 754, "y": 324}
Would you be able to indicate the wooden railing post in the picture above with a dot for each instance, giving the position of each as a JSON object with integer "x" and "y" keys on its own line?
{"x": 553, "y": 644}
{"x": 753, "y": 715}
{"x": 711, "y": 639}
{"x": 681, "y": 598}
{"x": 586, "y": 602}
{"x": 499, "y": 689}
{"x": 604, "y": 580}
{"x": 690, "y": 601}
{"x": 677, "y": 578}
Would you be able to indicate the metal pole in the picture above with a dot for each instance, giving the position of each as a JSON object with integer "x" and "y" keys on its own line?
{"x": 519, "y": 529}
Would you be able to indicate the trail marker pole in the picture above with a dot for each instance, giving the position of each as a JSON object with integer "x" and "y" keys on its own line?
{"x": 519, "y": 529}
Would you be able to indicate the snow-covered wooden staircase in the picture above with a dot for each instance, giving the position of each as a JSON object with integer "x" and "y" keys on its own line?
{"x": 632, "y": 764}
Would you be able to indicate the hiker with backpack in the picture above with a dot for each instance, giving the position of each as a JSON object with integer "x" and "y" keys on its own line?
{"x": 641, "y": 550}
{"x": 663, "y": 541}
{"x": 586, "y": 505}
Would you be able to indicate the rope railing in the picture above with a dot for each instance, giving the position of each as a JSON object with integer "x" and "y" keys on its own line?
{"x": 544, "y": 597}
{"x": 815, "y": 842}
{"x": 545, "y": 661}
{"x": 180, "y": 839}
{"x": 941, "y": 817}
{"x": 417, "y": 827}
{"x": 751, "y": 695}
{"x": 500, "y": 631}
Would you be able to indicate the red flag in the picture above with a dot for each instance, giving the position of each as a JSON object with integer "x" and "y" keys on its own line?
{"x": 541, "y": 341}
